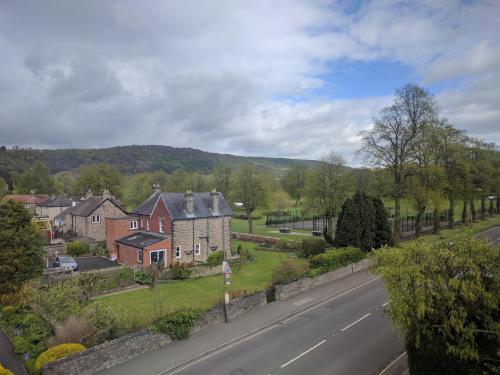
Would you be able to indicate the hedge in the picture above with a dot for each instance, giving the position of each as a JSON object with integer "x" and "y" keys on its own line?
{"x": 336, "y": 258}
{"x": 178, "y": 325}
{"x": 215, "y": 258}
{"x": 4, "y": 371}
{"x": 313, "y": 246}
{"x": 288, "y": 271}
{"x": 77, "y": 248}
{"x": 57, "y": 352}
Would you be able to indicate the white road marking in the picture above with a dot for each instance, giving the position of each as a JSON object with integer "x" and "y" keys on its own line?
{"x": 302, "y": 354}
{"x": 385, "y": 304}
{"x": 357, "y": 321}
{"x": 492, "y": 242}
{"x": 392, "y": 363}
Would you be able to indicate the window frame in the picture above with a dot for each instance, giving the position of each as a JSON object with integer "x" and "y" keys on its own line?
{"x": 140, "y": 256}
{"x": 178, "y": 252}
{"x": 95, "y": 219}
{"x": 161, "y": 225}
{"x": 164, "y": 251}
{"x": 147, "y": 225}
{"x": 197, "y": 249}
{"x": 133, "y": 227}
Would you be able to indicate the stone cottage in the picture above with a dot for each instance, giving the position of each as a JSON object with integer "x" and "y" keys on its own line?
{"x": 196, "y": 223}
{"x": 88, "y": 217}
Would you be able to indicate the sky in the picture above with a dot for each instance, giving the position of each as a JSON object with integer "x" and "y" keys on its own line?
{"x": 290, "y": 78}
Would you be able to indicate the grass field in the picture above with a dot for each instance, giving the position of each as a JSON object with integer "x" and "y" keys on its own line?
{"x": 260, "y": 228}
{"x": 137, "y": 308}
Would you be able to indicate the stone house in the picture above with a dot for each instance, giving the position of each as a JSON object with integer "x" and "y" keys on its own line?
{"x": 88, "y": 217}
{"x": 53, "y": 206}
{"x": 196, "y": 223}
{"x": 30, "y": 201}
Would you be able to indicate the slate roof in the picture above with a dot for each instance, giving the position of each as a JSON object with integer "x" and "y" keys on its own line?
{"x": 141, "y": 240}
{"x": 89, "y": 205}
{"x": 26, "y": 198}
{"x": 176, "y": 205}
{"x": 57, "y": 202}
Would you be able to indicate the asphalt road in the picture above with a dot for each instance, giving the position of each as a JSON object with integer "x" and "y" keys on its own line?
{"x": 349, "y": 335}
{"x": 492, "y": 236}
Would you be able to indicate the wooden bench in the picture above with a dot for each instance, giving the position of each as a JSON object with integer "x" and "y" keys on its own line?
{"x": 284, "y": 230}
{"x": 317, "y": 233}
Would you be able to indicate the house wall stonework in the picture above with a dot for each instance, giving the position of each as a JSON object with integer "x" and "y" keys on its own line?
{"x": 184, "y": 231}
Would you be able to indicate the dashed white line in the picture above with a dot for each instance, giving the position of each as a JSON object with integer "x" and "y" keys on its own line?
{"x": 357, "y": 321}
{"x": 492, "y": 242}
{"x": 392, "y": 363}
{"x": 385, "y": 304}
{"x": 302, "y": 354}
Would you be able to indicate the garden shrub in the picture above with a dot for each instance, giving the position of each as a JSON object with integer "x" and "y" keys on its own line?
{"x": 288, "y": 271}
{"x": 313, "y": 246}
{"x": 77, "y": 248}
{"x": 336, "y": 258}
{"x": 33, "y": 332}
{"x": 8, "y": 311}
{"x": 4, "y": 371}
{"x": 283, "y": 244}
{"x": 60, "y": 299}
{"x": 103, "y": 321}
{"x": 75, "y": 329}
{"x": 215, "y": 258}
{"x": 246, "y": 255}
{"x": 57, "y": 352}
{"x": 181, "y": 271}
{"x": 178, "y": 325}
{"x": 142, "y": 277}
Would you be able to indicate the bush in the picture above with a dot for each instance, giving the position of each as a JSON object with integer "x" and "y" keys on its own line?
{"x": 313, "y": 246}
{"x": 247, "y": 256}
{"x": 336, "y": 258}
{"x": 60, "y": 299}
{"x": 181, "y": 271}
{"x": 283, "y": 244}
{"x": 4, "y": 371}
{"x": 142, "y": 277}
{"x": 215, "y": 258}
{"x": 33, "y": 333}
{"x": 178, "y": 325}
{"x": 77, "y": 248}
{"x": 103, "y": 321}
{"x": 74, "y": 329}
{"x": 288, "y": 271}
{"x": 57, "y": 352}
{"x": 8, "y": 311}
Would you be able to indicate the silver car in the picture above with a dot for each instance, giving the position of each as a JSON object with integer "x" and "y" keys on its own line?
{"x": 67, "y": 262}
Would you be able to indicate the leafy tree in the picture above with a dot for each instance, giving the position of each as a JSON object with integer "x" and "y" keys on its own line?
{"x": 137, "y": 188}
{"x": 36, "y": 178}
{"x": 444, "y": 299}
{"x": 390, "y": 143}
{"x": 294, "y": 182}
{"x": 250, "y": 189}
{"x": 98, "y": 177}
{"x": 383, "y": 231}
{"x": 65, "y": 183}
{"x": 3, "y": 187}
{"x": 328, "y": 185}
{"x": 21, "y": 252}
{"x": 280, "y": 201}
{"x": 222, "y": 179}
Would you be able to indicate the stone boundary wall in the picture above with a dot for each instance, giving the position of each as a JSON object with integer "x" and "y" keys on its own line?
{"x": 203, "y": 271}
{"x": 254, "y": 238}
{"x": 114, "y": 352}
{"x": 288, "y": 290}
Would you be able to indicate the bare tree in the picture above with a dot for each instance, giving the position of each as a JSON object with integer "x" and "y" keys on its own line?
{"x": 390, "y": 143}
{"x": 328, "y": 186}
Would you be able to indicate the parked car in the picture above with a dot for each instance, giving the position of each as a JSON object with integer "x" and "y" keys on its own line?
{"x": 66, "y": 262}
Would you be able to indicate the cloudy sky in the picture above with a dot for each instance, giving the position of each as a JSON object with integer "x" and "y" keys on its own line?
{"x": 291, "y": 78}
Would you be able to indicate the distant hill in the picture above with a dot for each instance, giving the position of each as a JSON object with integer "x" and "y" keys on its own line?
{"x": 135, "y": 159}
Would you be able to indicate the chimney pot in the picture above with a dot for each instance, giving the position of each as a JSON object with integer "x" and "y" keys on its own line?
{"x": 156, "y": 188}
{"x": 214, "y": 198}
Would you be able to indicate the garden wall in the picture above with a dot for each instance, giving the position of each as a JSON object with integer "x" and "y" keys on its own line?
{"x": 114, "y": 352}
{"x": 282, "y": 292}
{"x": 254, "y": 238}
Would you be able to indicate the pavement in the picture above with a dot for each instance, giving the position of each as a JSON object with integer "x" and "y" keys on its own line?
{"x": 8, "y": 358}
{"x": 339, "y": 328}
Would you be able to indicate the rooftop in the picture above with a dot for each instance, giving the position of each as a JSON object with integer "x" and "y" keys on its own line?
{"x": 142, "y": 239}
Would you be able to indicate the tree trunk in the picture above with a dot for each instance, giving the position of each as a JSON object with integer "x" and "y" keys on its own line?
{"x": 397, "y": 219}
{"x": 483, "y": 209}
{"x": 473, "y": 209}
{"x": 250, "y": 222}
{"x": 452, "y": 213}
{"x": 464, "y": 212}
{"x": 492, "y": 208}
{"x": 498, "y": 203}
{"x": 418, "y": 222}
{"x": 436, "y": 220}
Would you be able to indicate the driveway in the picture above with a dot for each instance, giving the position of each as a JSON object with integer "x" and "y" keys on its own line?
{"x": 94, "y": 263}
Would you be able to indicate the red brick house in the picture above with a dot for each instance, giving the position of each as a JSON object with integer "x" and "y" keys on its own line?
{"x": 144, "y": 248}
{"x": 196, "y": 223}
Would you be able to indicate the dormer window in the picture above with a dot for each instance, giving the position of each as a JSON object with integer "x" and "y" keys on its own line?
{"x": 95, "y": 219}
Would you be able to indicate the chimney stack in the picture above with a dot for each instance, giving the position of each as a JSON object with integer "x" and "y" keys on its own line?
{"x": 88, "y": 194}
{"x": 106, "y": 194}
{"x": 156, "y": 188}
{"x": 214, "y": 196}
{"x": 189, "y": 202}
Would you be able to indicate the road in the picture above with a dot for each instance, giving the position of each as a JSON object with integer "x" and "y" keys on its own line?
{"x": 492, "y": 236}
{"x": 344, "y": 334}
{"x": 349, "y": 335}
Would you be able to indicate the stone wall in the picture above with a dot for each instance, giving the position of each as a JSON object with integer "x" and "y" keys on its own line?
{"x": 255, "y": 238}
{"x": 288, "y": 290}
{"x": 184, "y": 230}
{"x": 97, "y": 231}
{"x": 120, "y": 350}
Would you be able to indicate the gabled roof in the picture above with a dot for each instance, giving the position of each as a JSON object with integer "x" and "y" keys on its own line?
{"x": 142, "y": 239}
{"x": 176, "y": 205}
{"x": 26, "y": 198}
{"x": 89, "y": 205}
{"x": 57, "y": 202}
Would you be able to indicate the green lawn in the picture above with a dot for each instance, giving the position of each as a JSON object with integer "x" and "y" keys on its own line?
{"x": 260, "y": 228}
{"x": 136, "y": 308}
{"x": 451, "y": 234}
